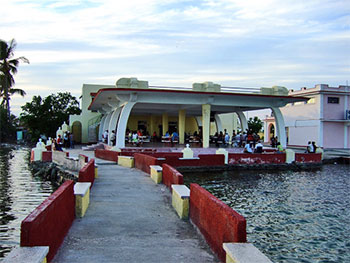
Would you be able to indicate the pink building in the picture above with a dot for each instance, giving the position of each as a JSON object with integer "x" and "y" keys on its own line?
{"x": 324, "y": 118}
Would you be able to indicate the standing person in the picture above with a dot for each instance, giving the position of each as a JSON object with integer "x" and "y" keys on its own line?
{"x": 65, "y": 140}
{"x": 154, "y": 137}
{"x": 105, "y": 136}
{"x": 71, "y": 140}
{"x": 273, "y": 142}
{"x": 241, "y": 140}
{"x": 227, "y": 139}
{"x": 60, "y": 141}
{"x": 113, "y": 138}
{"x": 233, "y": 138}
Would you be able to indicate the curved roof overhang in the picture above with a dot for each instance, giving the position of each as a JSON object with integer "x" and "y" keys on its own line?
{"x": 158, "y": 101}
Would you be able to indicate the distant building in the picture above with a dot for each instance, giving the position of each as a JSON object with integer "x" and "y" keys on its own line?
{"x": 324, "y": 118}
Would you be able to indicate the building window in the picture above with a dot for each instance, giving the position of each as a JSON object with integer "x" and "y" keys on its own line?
{"x": 333, "y": 100}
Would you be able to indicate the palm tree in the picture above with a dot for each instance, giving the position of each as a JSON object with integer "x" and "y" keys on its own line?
{"x": 8, "y": 68}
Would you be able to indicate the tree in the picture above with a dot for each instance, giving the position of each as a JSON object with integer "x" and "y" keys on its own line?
{"x": 8, "y": 68}
{"x": 44, "y": 116}
{"x": 7, "y": 127}
{"x": 255, "y": 124}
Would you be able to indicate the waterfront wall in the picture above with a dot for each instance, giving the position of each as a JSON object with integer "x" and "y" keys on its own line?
{"x": 256, "y": 158}
{"x": 106, "y": 155}
{"x": 202, "y": 160}
{"x": 143, "y": 161}
{"x": 171, "y": 176}
{"x": 87, "y": 173}
{"x": 216, "y": 221}
{"x": 47, "y": 156}
{"x": 308, "y": 157}
{"x": 49, "y": 223}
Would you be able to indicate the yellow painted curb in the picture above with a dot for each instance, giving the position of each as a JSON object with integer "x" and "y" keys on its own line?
{"x": 126, "y": 161}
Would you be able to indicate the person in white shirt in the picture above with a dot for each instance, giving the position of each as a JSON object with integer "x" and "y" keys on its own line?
{"x": 259, "y": 147}
{"x": 248, "y": 148}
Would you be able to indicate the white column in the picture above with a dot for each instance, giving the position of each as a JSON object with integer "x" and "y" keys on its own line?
{"x": 320, "y": 127}
{"x": 165, "y": 123}
{"x": 113, "y": 123}
{"x": 266, "y": 133}
{"x": 218, "y": 123}
{"x": 100, "y": 130}
{"x": 122, "y": 123}
{"x": 280, "y": 127}
{"x": 243, "y": 121}
{"x": 108, "y": 118}
{"x": 206, "y": 124}
{"x": 346, "y": 103}
{"x": 182, "y": 123}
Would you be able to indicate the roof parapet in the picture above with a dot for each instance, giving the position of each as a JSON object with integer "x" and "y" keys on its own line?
{"x": 275, "y": 90}
{"x": 131, "y": 83}
{"x": 207, "y": 86}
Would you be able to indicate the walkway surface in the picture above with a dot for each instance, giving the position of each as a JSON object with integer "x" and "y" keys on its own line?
{"x": 130, "y": 219}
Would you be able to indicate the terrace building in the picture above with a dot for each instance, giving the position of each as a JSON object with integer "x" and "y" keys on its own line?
{"x": 204, "y": 108}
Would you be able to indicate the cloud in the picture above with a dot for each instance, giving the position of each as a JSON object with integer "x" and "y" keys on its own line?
{"x": 178, "y": 42}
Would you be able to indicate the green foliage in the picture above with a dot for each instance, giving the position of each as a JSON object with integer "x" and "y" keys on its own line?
{"x": 8, "y": 68}
{"x": 44, "y": 116}
{"x": 255, "y": 125}
{"x": 7, "y": 127}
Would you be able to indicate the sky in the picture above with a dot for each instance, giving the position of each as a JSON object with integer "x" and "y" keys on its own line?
{"x": 235, "y": 43}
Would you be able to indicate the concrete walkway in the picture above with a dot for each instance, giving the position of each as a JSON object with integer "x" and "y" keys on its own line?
{"x": 130, "y": 219}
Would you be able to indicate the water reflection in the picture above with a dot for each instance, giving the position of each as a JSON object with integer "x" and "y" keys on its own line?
{"x": 20, "y": 193}
{"x": 291, "y": 216}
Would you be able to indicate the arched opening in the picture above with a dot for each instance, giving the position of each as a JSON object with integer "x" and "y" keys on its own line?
{"x": 76, "y": 130}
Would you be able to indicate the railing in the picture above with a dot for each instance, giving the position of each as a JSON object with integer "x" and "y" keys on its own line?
{"x": 94, "y": 120}
{"x": 240, "y": 90}
{"x": 223, "y": 89}
{"x": 92, "y": 134}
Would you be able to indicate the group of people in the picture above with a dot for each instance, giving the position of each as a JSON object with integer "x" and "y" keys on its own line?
{"x": 311, "y": 147}
{"x": 250, "y": 148}
{"x": 67, "y": 141}
{"x": 237, "y": 139}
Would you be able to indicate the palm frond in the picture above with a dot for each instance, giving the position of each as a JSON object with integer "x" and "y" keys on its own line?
{"x": 17, "y": 91}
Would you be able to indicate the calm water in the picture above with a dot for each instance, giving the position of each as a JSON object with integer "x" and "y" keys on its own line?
{"x": 20, "y": 193}
{"x": 291, "y": 216}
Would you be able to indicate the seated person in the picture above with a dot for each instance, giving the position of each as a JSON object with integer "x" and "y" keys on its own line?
{"x": 258, "y": 147}
{"x": 309, "y": 148}
{"x": 279, "y": 148}
{"x": 248, "y": 148}
{"x": 56, "y": 146}
{"x": 135, "y": 138}
{"x": 174, "y": 137}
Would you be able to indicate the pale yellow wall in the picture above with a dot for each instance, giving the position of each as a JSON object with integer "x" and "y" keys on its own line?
{"x": 133, "y": 122}
{"x": 191, "y": 123}
{"x": 213, "y": 129}
{"x": 86, "y": 114}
